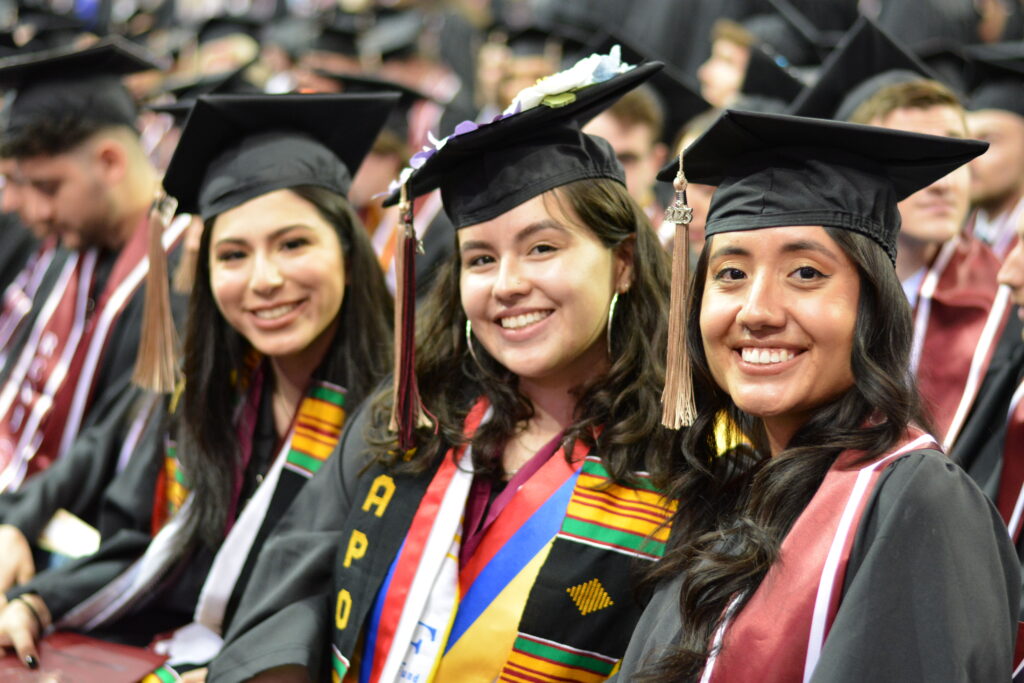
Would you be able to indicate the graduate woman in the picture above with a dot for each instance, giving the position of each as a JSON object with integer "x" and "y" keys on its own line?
{"x": 289, "y": 329}
{"x": 503, "y": 544}
{"x": 844, "y": 546}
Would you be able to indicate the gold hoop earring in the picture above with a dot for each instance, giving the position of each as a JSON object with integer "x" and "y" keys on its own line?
{"x": 469, "y": 342}
{"x": 611, "y": 317}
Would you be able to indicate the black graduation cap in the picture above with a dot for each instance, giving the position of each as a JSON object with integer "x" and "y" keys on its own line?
{"x": 394, "y": 35}
{"x": 66, "y": 82}
{"x": 48, "y": 29}
{"x": 781, "y": 38}
{"x": 237, "y": 147}
{"x": 398, "y": 120}
{"x": 767, "y": 77}
{"x": 568, "y": 42}
{"x": 865, "y": 52}
{"x": 776, "y": 170}
{"x": 997, "y": 77}
{"x": 947, "y": 59}
{"x": 487, "y": 171}
{"x": 340, "y": 32}
{"x": 223, "y": 25}
{"x": 186, "y": 91}
{"x": 679, "y": 94}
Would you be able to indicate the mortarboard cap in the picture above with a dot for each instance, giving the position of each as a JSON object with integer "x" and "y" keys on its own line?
{"x": 340, "y": 32}
{"x": 781, "y": 38}
{"x": 398, "y": 120}
{"x": 865, "y": 52}
{"x": 678, "y": 93}
{"x": 766, "y": 77}
{"x": 223, "y": 25}
{"x": 394, "y": 35}
{"x": 186, "y": 91}
{"x": 61, "y": 83}
{"x": 774, "y": 170}
{"x": 997, "y": 77}
{"x": 947, "y": 60}
{"x": 237, "y": 147}
{"x": 495, "y": 167}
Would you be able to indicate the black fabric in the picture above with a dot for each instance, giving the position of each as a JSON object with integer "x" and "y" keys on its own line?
{"x": 775, "y": 170}
{"x": 931, "y": 590}
{"x": 68, "y": 83}
{"x": 496, "y": 167}
{"x": 237, "y": 147}
{"x": 767, "y": 78}
{"x": 865, "y": 51}
{"x": 19, "y": 244}
{"x": 997, "y": 77}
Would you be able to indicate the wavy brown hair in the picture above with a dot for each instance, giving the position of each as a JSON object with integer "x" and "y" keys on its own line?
{"x": 624, "y": 402}
{"x": 358, "y": 358}
{"x": 736, "y": 509}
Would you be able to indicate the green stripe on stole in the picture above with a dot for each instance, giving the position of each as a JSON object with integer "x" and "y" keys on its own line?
{"x": 570, "y": 659}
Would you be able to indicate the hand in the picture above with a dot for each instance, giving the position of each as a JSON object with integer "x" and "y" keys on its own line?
{"x": 194, "y": 676}
{"x": 16, "y": 564}
{"x": 19, "y": 627}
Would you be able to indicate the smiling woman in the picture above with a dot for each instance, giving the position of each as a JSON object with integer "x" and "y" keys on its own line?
{"x": 289, "y": 330}
{"x": 503, "y": 542}
{"x": 838, "y": 547}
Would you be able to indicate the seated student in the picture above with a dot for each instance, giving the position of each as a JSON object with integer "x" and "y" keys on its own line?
{"x": 541, "y": 366}
{"x": 845, "y": 547}
{"x": 288, "y": 331}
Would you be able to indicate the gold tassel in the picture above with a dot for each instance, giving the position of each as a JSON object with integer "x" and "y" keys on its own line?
{"x": 678, "y": 408}
{"x": 156, "y": 365}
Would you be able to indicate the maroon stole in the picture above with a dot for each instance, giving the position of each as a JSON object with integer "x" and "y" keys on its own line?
{"x": 779, "y": 634}
{"x": 959, "y": 316}
{"x": 43, "y": 401}
{"x": 17, "y": 299}
{"x": 1010, "y": 496}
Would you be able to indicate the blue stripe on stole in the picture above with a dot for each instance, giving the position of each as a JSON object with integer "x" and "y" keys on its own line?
{"x": 366, "y": 666}
{"x": 506, "y": 564}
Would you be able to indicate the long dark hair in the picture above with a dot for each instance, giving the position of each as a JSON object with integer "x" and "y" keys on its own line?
{"x": 358, "y": 358}
{"x": 624, "y": 402}
{"x": 735, "y": 510}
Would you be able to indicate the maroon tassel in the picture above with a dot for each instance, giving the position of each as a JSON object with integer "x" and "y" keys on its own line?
{"x": 407, "y": 411}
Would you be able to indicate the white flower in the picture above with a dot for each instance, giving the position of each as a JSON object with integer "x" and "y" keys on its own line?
{"x": 588, "y": 71}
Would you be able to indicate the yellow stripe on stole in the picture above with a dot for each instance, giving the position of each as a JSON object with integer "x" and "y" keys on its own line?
{"x": 321, "y": 410}
{"x": 650, "y": 513}
{"x": 312, "y": 447}
{"x": 484, "y": 648}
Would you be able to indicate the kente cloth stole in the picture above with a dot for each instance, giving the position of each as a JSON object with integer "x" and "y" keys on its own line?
{"x": 564, "y": 545}
{"x": 18, "y": 297}
{"x": 779, "y": 634}
{"x": 45, "y": 396}
{"x": 314, "y": 433}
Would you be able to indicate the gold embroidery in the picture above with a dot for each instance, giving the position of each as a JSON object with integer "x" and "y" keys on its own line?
{"x": 357, "y": 544}
{"x": 379, "y": 495}
{"x": 590, "y": 597}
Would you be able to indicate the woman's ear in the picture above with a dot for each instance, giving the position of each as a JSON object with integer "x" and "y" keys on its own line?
{"x": 624, "y": 256}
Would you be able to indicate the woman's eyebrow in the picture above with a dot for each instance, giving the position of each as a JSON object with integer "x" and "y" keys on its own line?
{"x": 274, "y": 235}
{"x": 730, "y": 251}
{"x": 809, "y": 245}
{"x": 521, "y": 236}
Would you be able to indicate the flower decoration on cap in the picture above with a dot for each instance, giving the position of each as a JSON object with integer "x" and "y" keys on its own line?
{"x": 556, "y": 90}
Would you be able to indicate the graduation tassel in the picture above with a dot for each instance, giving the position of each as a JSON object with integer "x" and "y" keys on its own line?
{"x": 185, "y": 275}
{"x": 156, "y": 365}
{"x": 406, "y": 410}
{"x": 678, "y": 409}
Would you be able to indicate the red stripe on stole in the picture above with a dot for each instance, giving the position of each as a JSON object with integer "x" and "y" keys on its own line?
{"x": 770, "y": 635}
{"x": 523, "y": 673}
{"x": 598, "y": 502}
{"x": 527, "y": 500}
{"x": 415, "y": 542}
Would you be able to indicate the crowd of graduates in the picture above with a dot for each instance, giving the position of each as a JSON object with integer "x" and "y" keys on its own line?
{"x": 376, "y": 341}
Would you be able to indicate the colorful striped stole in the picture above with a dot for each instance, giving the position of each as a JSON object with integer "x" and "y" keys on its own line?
{"x": 564, "y": 545}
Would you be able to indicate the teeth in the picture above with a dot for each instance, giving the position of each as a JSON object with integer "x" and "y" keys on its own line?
{"x": 516, "y": 321}
{"x": 766, "y": 356}
{"x": 275, "y": 312}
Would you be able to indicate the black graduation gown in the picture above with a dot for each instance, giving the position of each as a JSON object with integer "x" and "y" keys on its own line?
{"x": 931, "y": 590}
{"x": 16, "y": 248}
{"x": 125, "y": 526}
{"x": 283, "y": 616}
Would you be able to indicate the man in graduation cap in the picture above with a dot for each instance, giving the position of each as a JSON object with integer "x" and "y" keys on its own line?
{"x": 71, "y": 150}
{"x": 996, "y": 114}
